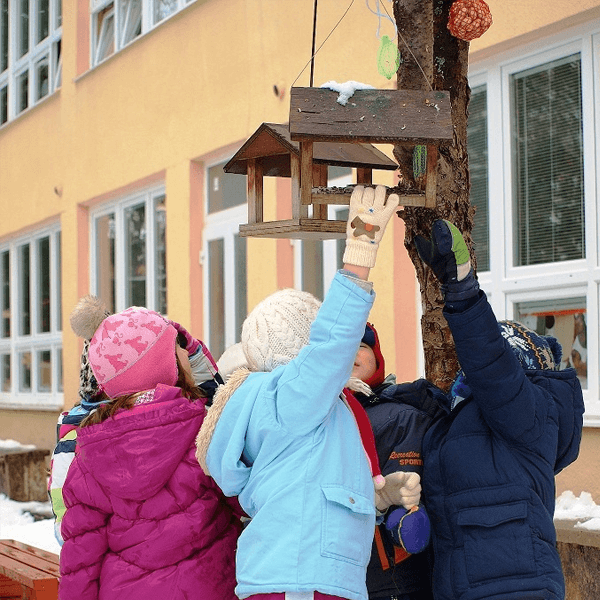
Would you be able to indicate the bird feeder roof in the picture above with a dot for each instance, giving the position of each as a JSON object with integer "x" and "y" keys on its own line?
{"x": 272, "y": 143}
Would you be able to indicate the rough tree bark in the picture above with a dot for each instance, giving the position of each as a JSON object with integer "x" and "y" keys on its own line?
{"x": 431, "y": 58}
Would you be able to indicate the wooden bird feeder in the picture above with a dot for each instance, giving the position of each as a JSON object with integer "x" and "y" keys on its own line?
{"x": 322, "y": 132}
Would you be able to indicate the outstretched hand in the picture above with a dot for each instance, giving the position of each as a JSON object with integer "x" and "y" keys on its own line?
{"x": 370, "y": 213}
{"x": 448, "y": 257}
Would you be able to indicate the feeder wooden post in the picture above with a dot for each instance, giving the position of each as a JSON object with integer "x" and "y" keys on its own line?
{"x": 255, "y": 191}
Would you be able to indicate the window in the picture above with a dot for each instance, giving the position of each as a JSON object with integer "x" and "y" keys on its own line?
{"x": 534, "y": 117}
{"x": 129, "y": 254}
{"x": 548, "y": 162}
{"x": 224, "y": 258}
{"x": 564, "y": 319}
{"x": 31, "y": 350}
{"x": 116, "y": 23}
{"x": 31, "y": 70}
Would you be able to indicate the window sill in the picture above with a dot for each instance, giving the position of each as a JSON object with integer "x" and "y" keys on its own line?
{"x": 50, "y": 403}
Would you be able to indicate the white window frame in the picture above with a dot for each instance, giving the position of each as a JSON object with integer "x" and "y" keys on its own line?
{"x": 119, "y": 208}
{"x": 34, "y": 342}
{"x": 122, "y": 24}
{"x": 509, "y": 285}
{"x": 45, "y": 49}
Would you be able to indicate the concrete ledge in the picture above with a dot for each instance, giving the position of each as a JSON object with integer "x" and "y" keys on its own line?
{"x": 579, "y": 551}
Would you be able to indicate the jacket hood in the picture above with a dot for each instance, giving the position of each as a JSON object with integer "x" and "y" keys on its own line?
{"x": 565, "y": 388}
{"x": 135, "y": 453}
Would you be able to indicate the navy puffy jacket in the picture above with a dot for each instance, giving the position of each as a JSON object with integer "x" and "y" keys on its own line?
{"x": 489, "y": 470}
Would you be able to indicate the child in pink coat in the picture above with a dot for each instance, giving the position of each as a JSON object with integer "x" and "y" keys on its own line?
{"x": 143, "y": 521}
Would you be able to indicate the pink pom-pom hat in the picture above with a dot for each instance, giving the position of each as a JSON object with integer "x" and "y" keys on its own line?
{"x": 133, "y": 351}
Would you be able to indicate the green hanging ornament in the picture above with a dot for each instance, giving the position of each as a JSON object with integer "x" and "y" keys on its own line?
{"x": 388, "y": 58}
{"x": 419, "y": 161}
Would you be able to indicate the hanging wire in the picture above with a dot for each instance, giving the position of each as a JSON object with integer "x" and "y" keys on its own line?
{"x": 312, "y": 57}
{"x": 379, "y": 15}
{"x": 316, "y": 52}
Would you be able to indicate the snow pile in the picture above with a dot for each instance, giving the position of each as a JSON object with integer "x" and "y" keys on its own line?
{"x": 568, "y": 506}
{"x": 346, "y": 90}
{"x": 16, "y": 523}
{"x": 13, "y": 445}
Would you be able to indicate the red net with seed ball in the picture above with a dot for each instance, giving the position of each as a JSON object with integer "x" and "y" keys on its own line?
{"x": 469, "y": 19}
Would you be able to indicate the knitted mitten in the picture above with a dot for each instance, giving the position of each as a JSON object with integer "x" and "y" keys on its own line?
{"x": 401, "y": 489}
{"x": 369, "y": 215}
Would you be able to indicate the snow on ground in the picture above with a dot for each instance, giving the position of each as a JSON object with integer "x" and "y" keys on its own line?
{"x": 17, "y": 523}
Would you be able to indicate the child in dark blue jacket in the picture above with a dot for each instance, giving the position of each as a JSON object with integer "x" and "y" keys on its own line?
{"x": 399, "y": 414}
{"x": 512, "y": 422}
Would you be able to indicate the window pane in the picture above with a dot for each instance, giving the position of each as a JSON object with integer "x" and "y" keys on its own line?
{"x": 44, "y": 375}
{"x": 43, "y": 284}
{"x": 3, "y": 35}
{"x": 163, "y": 8}
{"x": 22, "y": 91}
{"x": 59, "y": 366}
{"x": 160, "y": 212}
{"x": 135, "y": 249}
{"x": 547, "y": 129}
{"x": 5, "y": 372}
{"x": 23, "y": 27}
{"x": 5, "y": 266}
{"x": 58, "y": 5}
{"x": 3, "y": 105}
{"x": 225, "y": 189}
{"x": 312, "y": 267}
{"x": 105, "y": 27}
{"x": 130, "y": 21}
{"x": 43, "y": 20}
{"x": 478, "y": 172}
{"x": 241, "y": 288}
{"x": 105, "y": 275}
{"x": 216, "y": 295}
{"x": 24, "y": 371}
{"x": 25, "y": 304}
{"x": 565, "y": 319}
{"x": 42, "y": 78}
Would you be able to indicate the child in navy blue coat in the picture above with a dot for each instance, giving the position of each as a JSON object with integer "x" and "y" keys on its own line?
{"x": 512, "y": 422}
{"x": 400, "y": 414}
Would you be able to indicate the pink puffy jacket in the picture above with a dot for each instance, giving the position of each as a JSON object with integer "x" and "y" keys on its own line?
{"x": 143, "y": 521}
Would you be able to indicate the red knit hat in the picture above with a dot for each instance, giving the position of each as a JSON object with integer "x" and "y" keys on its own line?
{"x": 372, "y": 340}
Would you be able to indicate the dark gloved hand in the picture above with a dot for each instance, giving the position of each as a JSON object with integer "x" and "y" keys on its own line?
{"x": 409, "y": 529}
{"x": 448, "y": 256}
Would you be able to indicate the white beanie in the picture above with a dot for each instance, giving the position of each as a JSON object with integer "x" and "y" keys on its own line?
{"x": 278, "y": 328}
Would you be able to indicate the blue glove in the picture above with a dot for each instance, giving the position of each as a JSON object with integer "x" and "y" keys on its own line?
{"x": 448, "y": 256}
{"x": 409, "y": 528}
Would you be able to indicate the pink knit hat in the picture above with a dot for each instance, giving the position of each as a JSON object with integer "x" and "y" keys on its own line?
{"x": 133, "y": 351}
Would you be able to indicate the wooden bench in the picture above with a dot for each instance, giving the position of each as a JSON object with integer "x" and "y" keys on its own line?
{"x": 27, "y": 573}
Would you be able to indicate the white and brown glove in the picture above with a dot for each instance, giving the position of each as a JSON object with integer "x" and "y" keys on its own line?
{"x": 369, "y": 215}
{"x": 401, "y": 489}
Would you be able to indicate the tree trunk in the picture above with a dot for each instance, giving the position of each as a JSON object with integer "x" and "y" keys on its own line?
{"x": 431, "y": 58}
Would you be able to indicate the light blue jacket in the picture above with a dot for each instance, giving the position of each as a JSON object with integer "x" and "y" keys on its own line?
{"x": 289, "y": 447}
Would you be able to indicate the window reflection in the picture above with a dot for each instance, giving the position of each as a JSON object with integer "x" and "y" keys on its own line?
{"x": 565, "y": 319}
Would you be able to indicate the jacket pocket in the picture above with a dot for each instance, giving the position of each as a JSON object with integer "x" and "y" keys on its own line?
{"x": 497, "y": 541}
{"x": 348, "y": 522}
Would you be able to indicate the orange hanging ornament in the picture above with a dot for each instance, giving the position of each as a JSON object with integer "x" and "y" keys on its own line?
{"x": 469, "y": 19}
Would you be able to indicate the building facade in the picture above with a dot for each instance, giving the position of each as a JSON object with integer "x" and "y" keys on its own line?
{"x": 116, "y": 118}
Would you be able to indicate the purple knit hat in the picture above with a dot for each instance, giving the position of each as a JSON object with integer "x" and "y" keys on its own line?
{"x": 133, "y": 351}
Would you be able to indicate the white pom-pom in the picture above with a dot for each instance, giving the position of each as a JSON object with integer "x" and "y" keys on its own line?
{"x": 87, "y": 316}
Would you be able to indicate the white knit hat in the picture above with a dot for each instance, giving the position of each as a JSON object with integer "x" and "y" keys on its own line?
{"x": 278, "y": 328}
